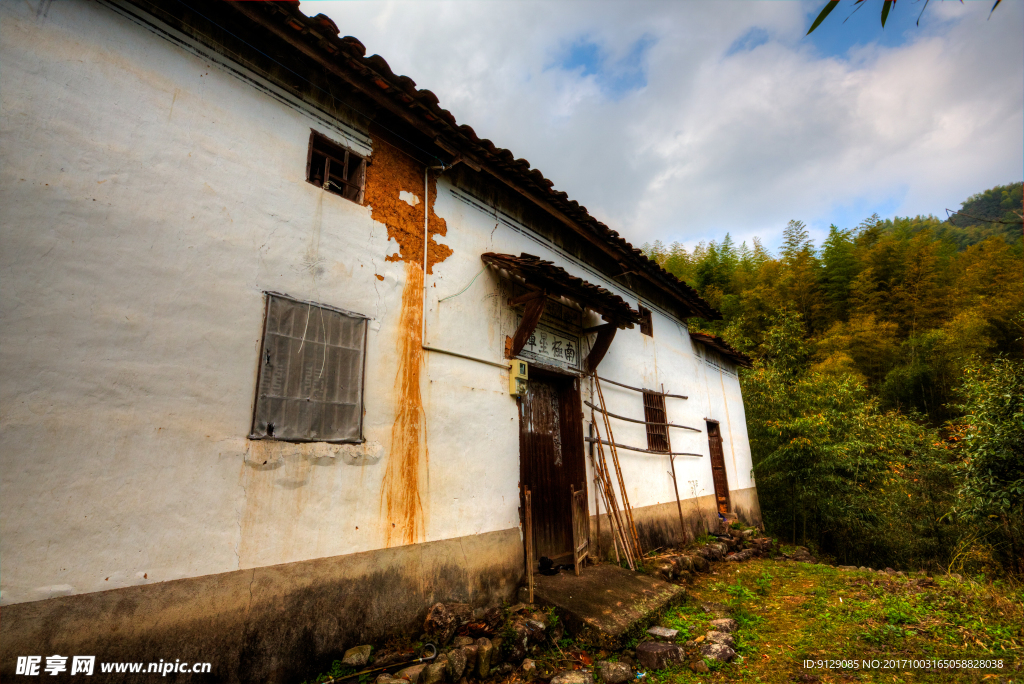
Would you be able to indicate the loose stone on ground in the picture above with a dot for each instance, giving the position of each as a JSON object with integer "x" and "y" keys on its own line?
{"x": 357, "y": 657}
{"x": 656, "y": 655}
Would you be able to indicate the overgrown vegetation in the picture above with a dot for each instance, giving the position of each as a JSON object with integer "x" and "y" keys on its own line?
{"x": 885, "y": 408}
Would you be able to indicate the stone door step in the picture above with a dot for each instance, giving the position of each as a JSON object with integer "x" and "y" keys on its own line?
{"x": 606, "y": 604}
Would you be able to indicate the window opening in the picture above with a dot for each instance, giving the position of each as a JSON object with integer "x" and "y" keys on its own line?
{"x": 310, "y": 386}
{"x": 646, "y": 321}
{"x": 336, "y": 169}
{"x": 654, "y": 412}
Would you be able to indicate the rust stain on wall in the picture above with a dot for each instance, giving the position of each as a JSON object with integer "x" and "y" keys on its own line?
{"x": 389, "y": 174}
{"x": 402, "y": 512}
{"x": 401, "y": 504}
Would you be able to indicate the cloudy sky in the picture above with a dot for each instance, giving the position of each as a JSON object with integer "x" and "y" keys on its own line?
{"x": 684, "y": 120}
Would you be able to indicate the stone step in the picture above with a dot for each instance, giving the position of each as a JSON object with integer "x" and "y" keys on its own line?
{"x": 606, "y": 604}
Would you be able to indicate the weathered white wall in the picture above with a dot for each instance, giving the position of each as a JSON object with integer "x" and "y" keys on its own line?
{"x": 669, "y": 358}
{"x": 148, "y": 198}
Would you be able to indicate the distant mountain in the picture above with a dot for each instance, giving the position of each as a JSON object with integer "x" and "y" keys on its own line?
{"x": 979, "y": 213}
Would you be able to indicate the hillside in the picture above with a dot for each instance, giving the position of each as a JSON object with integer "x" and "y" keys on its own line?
{"x": 883, "y": 407}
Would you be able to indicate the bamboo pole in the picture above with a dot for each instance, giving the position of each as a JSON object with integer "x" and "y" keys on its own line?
{"x": 638, "y": 552}
{"x": 529, "y": 543}
{"x": 611, "y": 503}
{"x": 675, "y": 483}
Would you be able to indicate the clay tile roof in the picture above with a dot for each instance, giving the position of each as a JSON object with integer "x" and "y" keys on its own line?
{"x": 545, "y": 275}
{"x": 346, "y": 58}
{"x": 723, "y": 348}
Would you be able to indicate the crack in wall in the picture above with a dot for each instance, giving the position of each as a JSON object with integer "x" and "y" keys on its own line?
{"x": 377, "y": 277}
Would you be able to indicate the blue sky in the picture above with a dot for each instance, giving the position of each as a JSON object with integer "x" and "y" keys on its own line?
{"x": 615, "y": 76}
{"x": 846, "y": 27}
{"x": 684, "y": 120}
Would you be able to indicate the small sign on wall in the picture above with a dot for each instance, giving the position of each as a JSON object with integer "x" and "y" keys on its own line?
{"x": 517, "y": 377}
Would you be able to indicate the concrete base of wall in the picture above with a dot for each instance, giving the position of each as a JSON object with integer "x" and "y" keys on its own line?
{"x": 658, "y": 525}
{"x": 746, "y": 506}
{"x": 270, "y": 624}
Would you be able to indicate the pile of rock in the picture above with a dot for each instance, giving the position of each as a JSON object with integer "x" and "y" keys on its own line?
{"x": 801, "y": 555}
{"x": 662, "y": 652}
{"x": 461, "y": 656}
{"x": 737, "y": 546}
{"x": 717, "y": 644}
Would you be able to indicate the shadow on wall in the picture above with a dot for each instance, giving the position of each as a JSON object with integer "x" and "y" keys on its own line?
{"x": 272, "y": 624}
{"x": 658, "y": 525}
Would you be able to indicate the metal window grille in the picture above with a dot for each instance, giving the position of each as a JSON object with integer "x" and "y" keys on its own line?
{"x": 310, "y": 386}
{"x": 654, "y": 412}
{"x": 335, "y": 168}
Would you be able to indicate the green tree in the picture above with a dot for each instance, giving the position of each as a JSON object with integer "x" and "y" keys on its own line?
{"x": 839, "y": 268}
{"x": 992, "y": 453}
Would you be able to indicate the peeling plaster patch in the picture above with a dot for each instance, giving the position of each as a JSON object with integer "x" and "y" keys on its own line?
{"x": 362, "y": 454}
{"x": 54, "y": 590}
{"x": 409, "y": 198}
{"x": 391, "y": 175}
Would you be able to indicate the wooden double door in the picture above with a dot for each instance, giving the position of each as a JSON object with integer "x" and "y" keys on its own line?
{"x": 551, "y": 459}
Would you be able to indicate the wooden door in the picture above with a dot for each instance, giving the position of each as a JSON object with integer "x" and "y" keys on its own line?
{"x": 718, "y": 468}
{"x": 551, "y": 460}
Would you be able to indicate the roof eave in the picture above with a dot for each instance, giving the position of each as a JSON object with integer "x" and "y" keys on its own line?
{"x": 318, "y": 40}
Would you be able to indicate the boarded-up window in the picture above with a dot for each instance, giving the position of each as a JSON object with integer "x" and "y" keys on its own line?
{"x": 646, "y": 322}
{"x": 654, "y": 412}
{"x": 310, "y": 386}
{"x": 335, "y": 168}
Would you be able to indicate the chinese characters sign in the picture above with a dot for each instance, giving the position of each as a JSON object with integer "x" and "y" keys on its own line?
{"x": 553, "y": 347}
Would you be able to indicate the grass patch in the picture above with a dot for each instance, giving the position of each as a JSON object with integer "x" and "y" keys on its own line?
{"x": 790, "y": 612}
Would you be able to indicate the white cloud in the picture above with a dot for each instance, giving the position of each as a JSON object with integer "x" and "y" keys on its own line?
{"x": 715, "y": 143}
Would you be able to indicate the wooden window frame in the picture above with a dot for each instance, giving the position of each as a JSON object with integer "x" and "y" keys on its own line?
{"x": 351, "y": 183}
{"x": 646, "y": 321}
{"x": 654, "y": 412}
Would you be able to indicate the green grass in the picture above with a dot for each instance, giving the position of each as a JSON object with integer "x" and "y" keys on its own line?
{"x": 791, "y": 612}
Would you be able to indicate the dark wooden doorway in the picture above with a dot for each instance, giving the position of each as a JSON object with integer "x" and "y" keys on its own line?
{"x": 718, "y": 467}
{"x": 551, "y": 459}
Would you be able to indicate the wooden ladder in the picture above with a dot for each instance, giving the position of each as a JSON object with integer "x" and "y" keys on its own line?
{"x": 623, "y": 527}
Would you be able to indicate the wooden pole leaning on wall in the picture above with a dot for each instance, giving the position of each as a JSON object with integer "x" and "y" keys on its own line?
{"x": 675, "y": 483}
{"x": 627, "y": 508}
{"x": 608, "y": 495}
{"x": 614, "y": 518}
{"x": 613, "y": 505}
{"x": 528, "y": 532}
{"x": 597, "y": 507}
{"x": 634, "y": 537}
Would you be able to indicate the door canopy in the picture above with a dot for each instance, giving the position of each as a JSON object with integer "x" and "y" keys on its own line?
{"x": 543, "y": 279}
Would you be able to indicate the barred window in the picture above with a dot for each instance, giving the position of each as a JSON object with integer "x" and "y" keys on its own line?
{"x": 310, "y": 386}
{"x": 654, "y": 412}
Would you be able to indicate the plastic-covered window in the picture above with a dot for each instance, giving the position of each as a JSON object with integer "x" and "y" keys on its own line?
{"x": 310, "y": 386}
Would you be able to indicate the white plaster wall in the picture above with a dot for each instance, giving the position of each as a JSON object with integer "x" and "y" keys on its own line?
{"x": 148, "y": 198}
{"x": 669, "y": 358}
